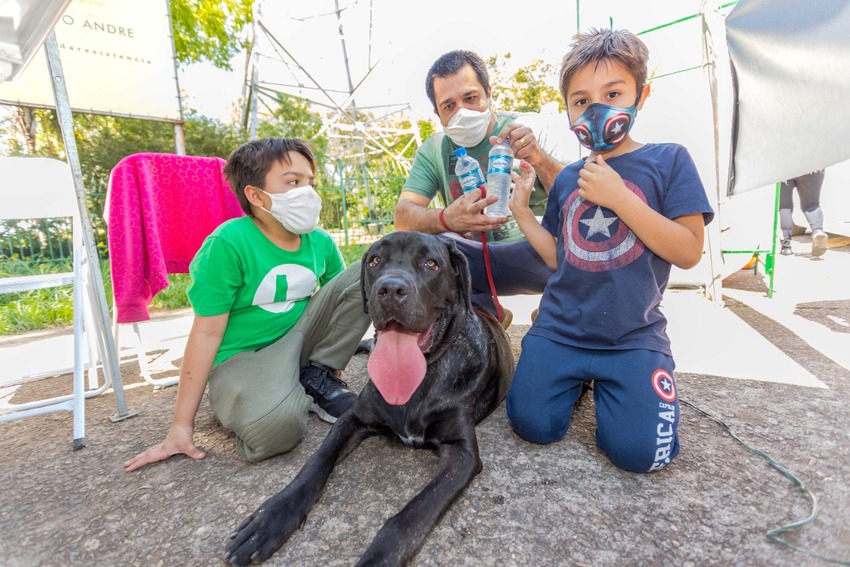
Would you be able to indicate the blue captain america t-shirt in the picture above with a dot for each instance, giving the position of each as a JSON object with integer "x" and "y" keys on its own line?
{"x": 607, "y": 289}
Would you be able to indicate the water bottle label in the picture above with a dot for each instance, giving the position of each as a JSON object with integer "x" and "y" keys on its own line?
{"x": 500, "y": 164}
{"x": 471, "y": 179}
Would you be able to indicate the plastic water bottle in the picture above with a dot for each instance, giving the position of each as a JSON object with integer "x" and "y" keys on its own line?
{"x": 501, "y": 161}
{"x": 468, "y": 171}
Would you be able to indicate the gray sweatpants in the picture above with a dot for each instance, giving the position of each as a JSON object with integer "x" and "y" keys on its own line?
{"x": 808, "y": 190}
{"x": 257, "y": 394}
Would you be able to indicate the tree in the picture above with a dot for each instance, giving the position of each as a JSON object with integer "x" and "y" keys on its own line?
{"x": 527, "y": 89}
{"x": 209, "y": 30}
{"x": 102, "y": 141}
{"x": 291, "y": 118}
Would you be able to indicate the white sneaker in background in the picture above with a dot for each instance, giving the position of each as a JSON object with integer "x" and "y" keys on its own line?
{"x": 819, "y": 243}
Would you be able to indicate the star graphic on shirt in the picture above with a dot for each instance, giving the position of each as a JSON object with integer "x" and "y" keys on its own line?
{"x": 665, "y": 383}
{"x": 598, "y": 224}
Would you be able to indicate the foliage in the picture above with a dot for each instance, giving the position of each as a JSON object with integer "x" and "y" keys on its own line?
{"x": 292, "y": 118}
{"x": 352, "y": 252}
{"x": 209, "y": 30}
{"x": 37, "y": 309}
{"x": 174, "y": 296}
{"x": 54, "y": 307}
{"x": 527, "y": 89}
{"x": 102, "y": 141}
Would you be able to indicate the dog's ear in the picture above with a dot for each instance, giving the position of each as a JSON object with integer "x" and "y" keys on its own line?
{"x": 462, "y": 276}
{"x": 363, "y": 294}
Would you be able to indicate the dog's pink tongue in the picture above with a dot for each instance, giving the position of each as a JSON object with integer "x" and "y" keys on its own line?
{"x": 396, "y": 365}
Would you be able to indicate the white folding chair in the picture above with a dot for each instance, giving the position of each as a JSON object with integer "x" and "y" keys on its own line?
{"x": 39, "y": 188}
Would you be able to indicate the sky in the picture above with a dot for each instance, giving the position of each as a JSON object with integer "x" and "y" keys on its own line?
{"x": 405, "y": 37}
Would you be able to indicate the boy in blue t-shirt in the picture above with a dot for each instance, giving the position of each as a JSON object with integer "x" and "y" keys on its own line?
{"x": 614, "y": 224}
{"x": 277, "y": 314}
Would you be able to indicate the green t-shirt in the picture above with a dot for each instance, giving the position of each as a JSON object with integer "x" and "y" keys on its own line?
{"x": 264, "y": 288}
{"x": 433, "y": 173}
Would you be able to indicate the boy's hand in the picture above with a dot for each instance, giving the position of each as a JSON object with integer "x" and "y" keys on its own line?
{"x": 601, "y": 185}
{"x": 178, "y": 441}
{"x": 523, "y": 184}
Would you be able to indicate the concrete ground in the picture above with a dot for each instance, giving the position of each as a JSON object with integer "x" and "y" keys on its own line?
{"x": 776, "y": 371}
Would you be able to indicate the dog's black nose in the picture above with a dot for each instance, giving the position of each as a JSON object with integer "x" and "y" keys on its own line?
{"x": 392, "y": 291}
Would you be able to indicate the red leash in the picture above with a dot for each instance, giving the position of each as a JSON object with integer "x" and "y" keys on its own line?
{"x": 487, "y": 268}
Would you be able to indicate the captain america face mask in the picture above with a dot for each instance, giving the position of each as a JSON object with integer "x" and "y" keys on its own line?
{"x": 602, "y": 127}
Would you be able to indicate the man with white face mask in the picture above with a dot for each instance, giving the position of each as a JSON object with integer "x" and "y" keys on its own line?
{"x": 277, "y": 313}
{"x": 458, "y": 86}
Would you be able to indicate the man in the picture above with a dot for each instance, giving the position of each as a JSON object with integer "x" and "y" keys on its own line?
{"x": 459, "y": 89}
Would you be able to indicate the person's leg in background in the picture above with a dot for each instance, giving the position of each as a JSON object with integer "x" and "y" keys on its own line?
{"x": 808, "y": 189}
{"x": 786, "y": 210}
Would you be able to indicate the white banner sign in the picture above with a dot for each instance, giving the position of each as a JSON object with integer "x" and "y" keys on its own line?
{"x": 117, "y": 57}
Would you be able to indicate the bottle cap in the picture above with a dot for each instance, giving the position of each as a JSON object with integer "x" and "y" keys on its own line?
{"x": 460, "y": 151}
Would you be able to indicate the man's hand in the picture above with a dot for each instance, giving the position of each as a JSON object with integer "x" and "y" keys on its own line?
{"x": 177, "y": 441}
{"x": 465, "y": 214}
{"x": 523, "y": 142}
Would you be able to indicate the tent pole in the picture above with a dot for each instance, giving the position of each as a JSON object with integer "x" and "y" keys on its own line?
{"x": 108, "y": 353}
{"x": 770, "y": 261}
{"x": 714, "y": 285}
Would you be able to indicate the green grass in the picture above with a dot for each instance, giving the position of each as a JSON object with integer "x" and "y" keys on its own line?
{"x": 54, "y": 307}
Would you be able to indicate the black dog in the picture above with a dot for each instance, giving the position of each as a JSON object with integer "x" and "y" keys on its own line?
{"x": 437, "y": 369}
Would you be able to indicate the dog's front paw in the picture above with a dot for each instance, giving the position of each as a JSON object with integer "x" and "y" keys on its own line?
{"x": 259, "y": 536}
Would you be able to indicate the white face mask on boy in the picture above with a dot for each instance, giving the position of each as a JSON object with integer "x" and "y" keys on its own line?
{"x": 297, "y": 210}
{"x": 467, "y": 128}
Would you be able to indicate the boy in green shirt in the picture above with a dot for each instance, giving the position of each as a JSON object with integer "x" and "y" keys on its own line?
{"x": 276, "y": 311}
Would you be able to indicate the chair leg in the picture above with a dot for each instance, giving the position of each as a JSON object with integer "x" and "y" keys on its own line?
{"x": 142, "y": 355}
{"x": 79, "y": 403}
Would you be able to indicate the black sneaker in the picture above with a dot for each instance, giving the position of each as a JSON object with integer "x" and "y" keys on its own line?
{"x": 331, "y": 396}
{"x": 365, "y": 346}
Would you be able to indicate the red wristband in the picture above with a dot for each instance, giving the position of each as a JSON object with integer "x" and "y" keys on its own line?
{"x": 444, "y": 223}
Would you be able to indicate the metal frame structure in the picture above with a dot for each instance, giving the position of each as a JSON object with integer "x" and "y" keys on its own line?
{"x": 357, "y": 133}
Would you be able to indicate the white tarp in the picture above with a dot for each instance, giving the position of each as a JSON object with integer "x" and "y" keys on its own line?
{"x": 117, "y": 57}
{"x": 791, "y": 60}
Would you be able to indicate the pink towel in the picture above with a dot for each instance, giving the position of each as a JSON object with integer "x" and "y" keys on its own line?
{"x": 160, "y": 208}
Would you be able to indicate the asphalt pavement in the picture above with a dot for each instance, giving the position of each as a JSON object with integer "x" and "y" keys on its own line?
{"x": 774, "y": 370}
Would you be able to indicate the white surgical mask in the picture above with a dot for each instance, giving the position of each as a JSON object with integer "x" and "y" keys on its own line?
{"x": 467, "y": 128}
{"x": 297, "y": 210}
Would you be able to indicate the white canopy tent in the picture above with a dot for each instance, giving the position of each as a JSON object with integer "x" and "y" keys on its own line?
{"x": 790, "y": 64}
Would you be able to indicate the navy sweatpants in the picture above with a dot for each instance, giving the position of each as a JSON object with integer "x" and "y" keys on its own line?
{"x": 637, "y": 406}
{"x": 517, "y": 269}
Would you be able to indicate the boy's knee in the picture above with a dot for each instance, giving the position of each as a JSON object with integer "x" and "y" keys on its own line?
{"x": 641, "y": 456}
{"x": 535, "y": 426}
{"x": 273, "y": 434}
